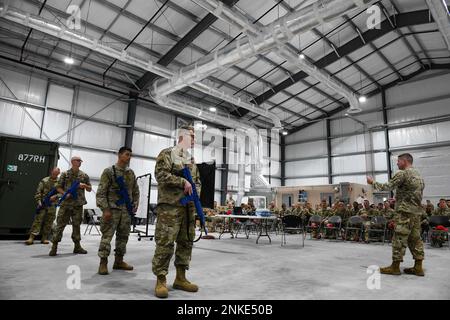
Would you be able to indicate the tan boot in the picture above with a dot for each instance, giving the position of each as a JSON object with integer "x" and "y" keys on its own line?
{"x": 161, "y": 287}
{"x": 30, "y": 240}
{"x": 54, "y": 249}
{"x": 393, "y": 269}
{"x": 44, "y": 240}
{"x": 181, "y": 283}
{"x": 103, "y": 267}
{"x": 119, "y": 264}
{"x": 416, "y": 270}
{"x": 78, "y": 249}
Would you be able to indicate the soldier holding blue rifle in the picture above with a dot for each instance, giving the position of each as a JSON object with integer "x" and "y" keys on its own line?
{"x": 176, "y": 219}
{"x": 118, "y": 198}
{"x": 71, "y": 187}
{"x": 46, "y": 197}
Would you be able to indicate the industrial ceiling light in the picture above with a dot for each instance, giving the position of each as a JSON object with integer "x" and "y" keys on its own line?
{"x": 362, "y": 99}
{"x": 69, "y": 60}
{"x": 213, "y": 109}
{"x": 284, "y": 133}
{"x": 302, "y": 56}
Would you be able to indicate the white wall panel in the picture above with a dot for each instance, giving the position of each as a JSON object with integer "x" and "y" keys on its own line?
{"x": 314, "y": 131}
{"x": 306, "y": 182}
{"x": 307, "y": 167}
{"x": 217, "y": 197}
{"x": 275, "y": 168}
{"x": 419, "y": 111}
{"x": 94, "y": 162}
{"x": 349, "y": 164}
{"x": 413, "y": 135}
{"x": 348, "y": 125}
{"x": 208, "y": 154}
{"x": 419, "y": 90}
{"x": 99, "y": 135}
{"x": 380, "y": 163}
{"x": 275, "y": 182}
{"x": 149, "y": 145}
{"x": 143, "y": 166}
{"x": 217, "y": 181}
{"x": 361, "y": 179}
{"x": 64, "y": 157}
{"x": 14, "y": 114}
{"x": 152, "y": 120}
{"x": 232, "y": 180}
{"x": 16, "y": 121}
{"x": 56, "y": 124}
{"x": 90, "y": 197}
{"x": 381, "y": 178}
{"x": 378, "y": 140}
{"x": 89, "y": 103}
{"x": 60, "y": 97}
{"x": 23, "y": 88}
{"x": 349, "y": 144}
{"x": 307, "y": 149}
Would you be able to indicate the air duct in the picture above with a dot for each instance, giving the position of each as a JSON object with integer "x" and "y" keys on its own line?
{"x": 281, "y": 31}
{"x": 60, "y": 31}
{"x": 440, "y": 12}
{"x": 235, "y": 18}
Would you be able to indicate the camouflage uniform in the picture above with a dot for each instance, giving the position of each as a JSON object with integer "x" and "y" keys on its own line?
{"x": 389, "y": 214}
{"x": 367, "y": 214}
{"x": 409, "y": 190}
{"x": 120, "y": 221}
{"x": 324, "y": 213}
{"x": 441, "y": 212}
{"x": 43, "y": 220}
{"x": 71, "y": 208}
{"x": 173, "y": 218}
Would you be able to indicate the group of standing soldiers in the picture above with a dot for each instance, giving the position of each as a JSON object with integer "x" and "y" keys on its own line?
{"x": 118, "y": 198}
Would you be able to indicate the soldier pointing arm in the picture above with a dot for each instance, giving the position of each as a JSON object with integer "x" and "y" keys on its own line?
{"x": 408, "y": 186}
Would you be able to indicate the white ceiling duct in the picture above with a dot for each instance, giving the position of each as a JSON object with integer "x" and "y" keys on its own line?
{"x": 440, "y": 13}
{"x": 87, "y": 41}
{"x": 281, "y": 31}
{"x": 235, "y": 18}
{"x": 195, "y": 110}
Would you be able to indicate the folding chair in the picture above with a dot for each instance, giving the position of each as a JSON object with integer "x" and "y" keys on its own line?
{"x": 336, "y": 221}
{"x": 294, "y": 224}
{"x": 355, "y": 224}
{"x": 314, "y": 224}
{"x": 92, "y": 221}
{"x": 378, "y": 225}
{"x": 438, "y": 234}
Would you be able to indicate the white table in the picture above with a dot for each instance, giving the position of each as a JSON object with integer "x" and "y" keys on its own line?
{"x": 245, "y": 217}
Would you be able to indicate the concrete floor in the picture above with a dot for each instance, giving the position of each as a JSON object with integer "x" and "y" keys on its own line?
{"x": 223, "y": 269}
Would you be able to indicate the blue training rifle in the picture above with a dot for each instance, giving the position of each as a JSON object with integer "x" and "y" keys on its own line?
{"x": 46, "y": 203}
{"x": 124, "y": 196}
{"x": 193, "y": 197}
{"x": 72, "y": 191}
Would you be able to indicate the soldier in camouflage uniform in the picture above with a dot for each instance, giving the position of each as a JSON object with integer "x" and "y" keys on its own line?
{"x": 325, "y": 213}
{"x": 297, "y": 209}
{"x": 43, "y": 219}
{"x": 71, "y": 208}
{"x": 175, "y": 222}
{"x": 442, "y": 209}
{"x": 116, "y": 218}
{"x": 367, "y": 213}
{"x": 342, "y": 212}
{"x": 307, "y": 213}
{"x": 409, "y": 186}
